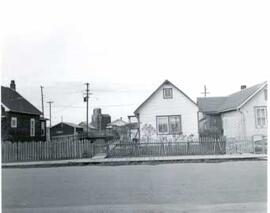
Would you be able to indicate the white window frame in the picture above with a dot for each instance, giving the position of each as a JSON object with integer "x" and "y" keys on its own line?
{"x": 260, "y": 115}
{"x": 32, "y": 127}
{"x": 14, "y": 122}
{"x": 167, "y": 93}
{"x": 166, "y": 120}
{"x": 178, "y": 131}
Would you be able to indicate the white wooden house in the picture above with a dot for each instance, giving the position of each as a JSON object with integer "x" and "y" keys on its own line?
{"x": 168, "y": 114}
{"x": 243, "y": 114}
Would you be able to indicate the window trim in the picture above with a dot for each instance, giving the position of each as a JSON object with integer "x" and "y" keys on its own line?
{"x": 32, "y": 127}
{"x": 162, "y": 116}
{"x": 16, "y": 122}
{"x": 167, "y": 97}
{"x": 256, "y": 117}
{"x": 169, "y": 130}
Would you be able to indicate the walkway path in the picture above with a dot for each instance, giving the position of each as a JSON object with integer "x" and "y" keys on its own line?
{"x": 133, "y": 160}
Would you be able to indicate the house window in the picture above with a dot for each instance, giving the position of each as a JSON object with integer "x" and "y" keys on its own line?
{"x": 169, "y": 124}
{"x": 167, "y": 93}
{"x": 175, "y": 124}
{"x": 32, "y": 127}
{"x": 163, "y": 125}
{"x": 13, "y": 122}
{"x": 42, "y": 128}
{"x": 261, "y": 116}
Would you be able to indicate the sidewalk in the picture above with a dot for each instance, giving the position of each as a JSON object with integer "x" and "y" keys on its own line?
{"x": 137, "y": 160}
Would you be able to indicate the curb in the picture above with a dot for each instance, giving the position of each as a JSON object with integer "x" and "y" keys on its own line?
{"x": 134, "y": 161}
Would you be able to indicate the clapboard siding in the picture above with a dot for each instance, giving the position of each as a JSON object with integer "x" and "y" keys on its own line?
{"x": 241, "y": 124}
{"x": 178, "y": 105}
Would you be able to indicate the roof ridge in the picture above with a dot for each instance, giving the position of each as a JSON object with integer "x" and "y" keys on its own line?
{"x": 165, "y": 82}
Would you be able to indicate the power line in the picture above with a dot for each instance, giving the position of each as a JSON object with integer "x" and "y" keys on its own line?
{"x": 50, "y": 103}
{"x": 87, "y": 102}
{"x": 205, "y": 92}
{"x": 42, "y": 101}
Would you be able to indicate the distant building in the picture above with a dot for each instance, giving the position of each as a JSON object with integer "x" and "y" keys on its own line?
{"x": 241, "y": 115}
{"x": 99, "y": 120}
{"x": 65, "y": 129}
{"x": 21, "y": 121}
{"x": 83, "y": 125}
{"x": 121, "y": 128}
{"x": 117, "y": 123}
{"x": 167, "y": 114}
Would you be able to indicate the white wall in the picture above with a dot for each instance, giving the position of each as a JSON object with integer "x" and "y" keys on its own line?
{"x": 178, "y": 105}
{"x": 241, "y": 124}
{"x": 249, "y": 115}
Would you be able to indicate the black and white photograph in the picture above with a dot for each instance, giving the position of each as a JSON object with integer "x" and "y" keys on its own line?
{"x": 134, "y": 106}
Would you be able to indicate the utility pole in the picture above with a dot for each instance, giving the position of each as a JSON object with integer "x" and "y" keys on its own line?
{"x": 50, "y": 105}
{"x": 205, "y": 92}
{"x": 42, "y": 102}
{"x": 87, "y": 103}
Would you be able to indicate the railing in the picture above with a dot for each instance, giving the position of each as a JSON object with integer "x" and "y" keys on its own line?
{"x": 167, "y": 149}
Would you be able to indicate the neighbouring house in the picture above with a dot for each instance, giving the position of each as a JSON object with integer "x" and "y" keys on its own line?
{"x": 241, "y": 115}
{"x": 84, "y": 126}
{"x": 117, "y": 123}
{"x": 121, "y": 128}
{"x": 65, "y": 129}
{"x": 20, "y": 120}
{"x": 168, "y": 114}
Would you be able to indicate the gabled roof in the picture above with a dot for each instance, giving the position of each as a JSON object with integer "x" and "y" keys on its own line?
{"x": 14, "y": 102}
{"x": 83, "y": 125}
{"x": 118, "y": 122}
{"x": 231, "y": 102}
{"x": 72, "y": 124}
{"x": 166, "y": 82}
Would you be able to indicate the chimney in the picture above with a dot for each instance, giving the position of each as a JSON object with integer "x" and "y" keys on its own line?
{"x": 13, "y": 85}
{"x": 243, "y": 87}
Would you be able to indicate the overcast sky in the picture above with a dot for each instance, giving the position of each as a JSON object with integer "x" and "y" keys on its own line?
{"x": 126, "y": 49}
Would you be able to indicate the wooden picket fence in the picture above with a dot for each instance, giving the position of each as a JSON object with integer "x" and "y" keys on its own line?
{"x": 246, "y": 146}
{"x": 46, "y": 150}
{"x": 167, "y": 149}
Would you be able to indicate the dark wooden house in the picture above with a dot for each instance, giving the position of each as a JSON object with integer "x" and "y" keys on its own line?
{"x": 21, "y": 121}
{"x": 65, "y": 129}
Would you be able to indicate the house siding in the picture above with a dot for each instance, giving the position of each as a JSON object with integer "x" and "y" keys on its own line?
{"x": 178, "y": 105}
{"x": 22, "y": 131}
{"x": 64, "y": 129}
{"x": 241, "y": 124}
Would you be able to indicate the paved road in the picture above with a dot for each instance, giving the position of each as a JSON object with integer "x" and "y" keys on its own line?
{"x": 192, "y": 187}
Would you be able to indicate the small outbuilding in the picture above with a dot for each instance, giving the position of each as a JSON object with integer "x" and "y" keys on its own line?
{"x": 65, "y": 129}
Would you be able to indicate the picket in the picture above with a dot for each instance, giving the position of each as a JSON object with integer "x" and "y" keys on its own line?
{"x": 73, "y": 148}
{"x": 46, "y": 150}
{"x": 167, "y": 149}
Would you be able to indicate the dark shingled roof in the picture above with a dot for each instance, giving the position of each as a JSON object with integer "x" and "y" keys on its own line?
{"x": 16, "y": 103}
{"x": 210, "y": 104}
{"x": 69, "y": 124}
{"x": 228, "y": 103}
